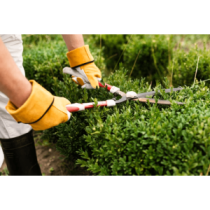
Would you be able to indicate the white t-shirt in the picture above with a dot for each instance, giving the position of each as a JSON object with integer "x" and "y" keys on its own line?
{"x": 14, "y": 44}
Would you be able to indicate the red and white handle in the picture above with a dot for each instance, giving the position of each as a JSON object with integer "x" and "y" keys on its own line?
{"x": 80, "y": 107}
{"x": 110, "y": 88}
{"x": 76, "y": 107}
{"x": 105, "y": 86}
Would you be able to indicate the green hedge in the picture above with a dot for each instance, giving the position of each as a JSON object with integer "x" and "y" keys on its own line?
{"x": 112, "y": 48}
{"x": 45, "y": 59}
{"x": 148, "y": 56}
{"x": 30, "y": 39}
{"x": 135, "y": 138}
{"x": 144, "y": 55}
{"x": 184, "y": 66}
{"x": 132, "y": 138}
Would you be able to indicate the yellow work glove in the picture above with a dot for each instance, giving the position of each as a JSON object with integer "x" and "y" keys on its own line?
{"x": 83, "y": 70}
{"x": 41, "y": 110}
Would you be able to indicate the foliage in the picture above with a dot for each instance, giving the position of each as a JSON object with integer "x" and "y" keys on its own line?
{"x": 143, "y": 55}
{"x": 185, "y": 64}
{"x": 156, "y": 140}
{"x": 112, "y": 48}
{"x": 146, "y": 139}
{"x": 29, "y": 40}
{"x": 45, "y": 62}
{"x": 148, "y": 56}
{"x": 132, "y": 138}
{"x": 4, "y": 172}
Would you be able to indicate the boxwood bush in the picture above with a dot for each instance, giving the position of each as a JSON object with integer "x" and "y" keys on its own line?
{"x": 145, "y": 56}
{"x": 132, "y": 138}
{"x": 30, "y": 39}
{"x": 148, "y": 56}
{"x": 112, "y": 45}
{"x": 184, "y": 65}
{"x": 45, "y": 58}
{"x": 135, "y": 138}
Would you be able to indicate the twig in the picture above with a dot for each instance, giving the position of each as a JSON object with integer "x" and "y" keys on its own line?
{"x": 205, "y": 80}
{"x": 129, "y": 38}
{"x": 208, "y": 170}
{"x": 172, "y": 73}
{"x": 100, "y": 50}
{"x": 196, "y": 70}
{"x": 111, "y": 57}
{"x": 134, "y": 64}
{"x": 155, "y": 63}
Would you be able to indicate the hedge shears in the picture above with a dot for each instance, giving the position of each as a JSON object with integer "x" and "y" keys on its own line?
{"x": 131, "y": 95}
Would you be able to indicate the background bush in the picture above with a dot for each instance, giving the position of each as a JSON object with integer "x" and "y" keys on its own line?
{"x": 156, "y": 56}
{"x": 112, "y": 48}
{"x": 143, "y": 55}
{"x": 148, "y": 56}
{"x": 185, "y": 64}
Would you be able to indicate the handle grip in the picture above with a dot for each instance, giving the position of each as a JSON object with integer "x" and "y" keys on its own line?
{"x": 105, "y": 86}
{"x": 80, "y": 107}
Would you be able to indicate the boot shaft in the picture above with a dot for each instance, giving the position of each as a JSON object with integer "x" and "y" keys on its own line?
{"x": 20, "y": 155}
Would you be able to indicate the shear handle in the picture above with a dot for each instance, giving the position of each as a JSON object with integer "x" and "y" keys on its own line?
{"x": 80, "y": 107}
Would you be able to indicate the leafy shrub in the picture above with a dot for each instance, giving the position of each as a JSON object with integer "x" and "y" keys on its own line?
{"x": 148, "y": 56}
{"x": 45, "y": 62}
{"x": 135, "y": 138}
{"x": 187, "y": 41}
{"x": 132, "y": 138}
{"x": 185, "y": 64}
{"x": 31, "y": 39}
{"x": 112, "y": 48}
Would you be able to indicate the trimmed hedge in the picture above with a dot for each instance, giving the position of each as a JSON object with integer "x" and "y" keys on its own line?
{"x": 132, "y": 138}
{"x": 135, "y": 138}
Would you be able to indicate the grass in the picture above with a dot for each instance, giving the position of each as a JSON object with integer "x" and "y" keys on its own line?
{"x": 5, "y": 172}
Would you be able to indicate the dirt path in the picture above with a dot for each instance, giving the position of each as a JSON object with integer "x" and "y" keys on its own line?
{"x": 51, "y": 161}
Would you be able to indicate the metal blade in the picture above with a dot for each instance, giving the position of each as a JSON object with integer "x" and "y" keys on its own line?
{"x": 143, "y": 95}
{"x": 164, "y": 102}
{"x": 120, "y": 93}
{"x": 123, "y": 99}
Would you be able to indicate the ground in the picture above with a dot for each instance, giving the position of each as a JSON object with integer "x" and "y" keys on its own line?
{"x": 51, "y": 161}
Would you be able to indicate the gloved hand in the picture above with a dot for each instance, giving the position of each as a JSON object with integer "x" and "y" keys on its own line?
{"x": 41, "y": 110}
{"x": 83, "y": 70}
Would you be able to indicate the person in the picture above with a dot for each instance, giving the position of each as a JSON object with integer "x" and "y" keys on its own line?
{"x": 25, "y": 105}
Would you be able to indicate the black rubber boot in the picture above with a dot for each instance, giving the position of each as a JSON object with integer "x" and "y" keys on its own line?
{"x": 20, "y": 155}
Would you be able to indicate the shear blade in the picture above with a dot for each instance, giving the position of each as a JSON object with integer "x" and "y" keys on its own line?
{"x": 163, "y": 102}
{"x": 123, "y": 99}
{"x": 152, "y": 93}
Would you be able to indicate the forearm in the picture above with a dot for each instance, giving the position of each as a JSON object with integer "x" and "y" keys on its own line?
{"x": 12, "y": 82}
{"x": 73, "y": 41}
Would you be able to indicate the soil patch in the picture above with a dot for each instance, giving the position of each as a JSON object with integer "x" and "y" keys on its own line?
{"x": 51, "y": 161}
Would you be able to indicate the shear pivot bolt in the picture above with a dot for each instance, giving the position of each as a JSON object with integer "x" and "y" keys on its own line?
{"x": 131, "y": 94}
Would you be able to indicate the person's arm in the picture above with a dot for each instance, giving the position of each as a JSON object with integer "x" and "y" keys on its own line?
{"x": 83, "y": 70}
{"x": 29, "y": 102}
{"x": 73, "y": 41}
{"x": 12, "y": 82}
